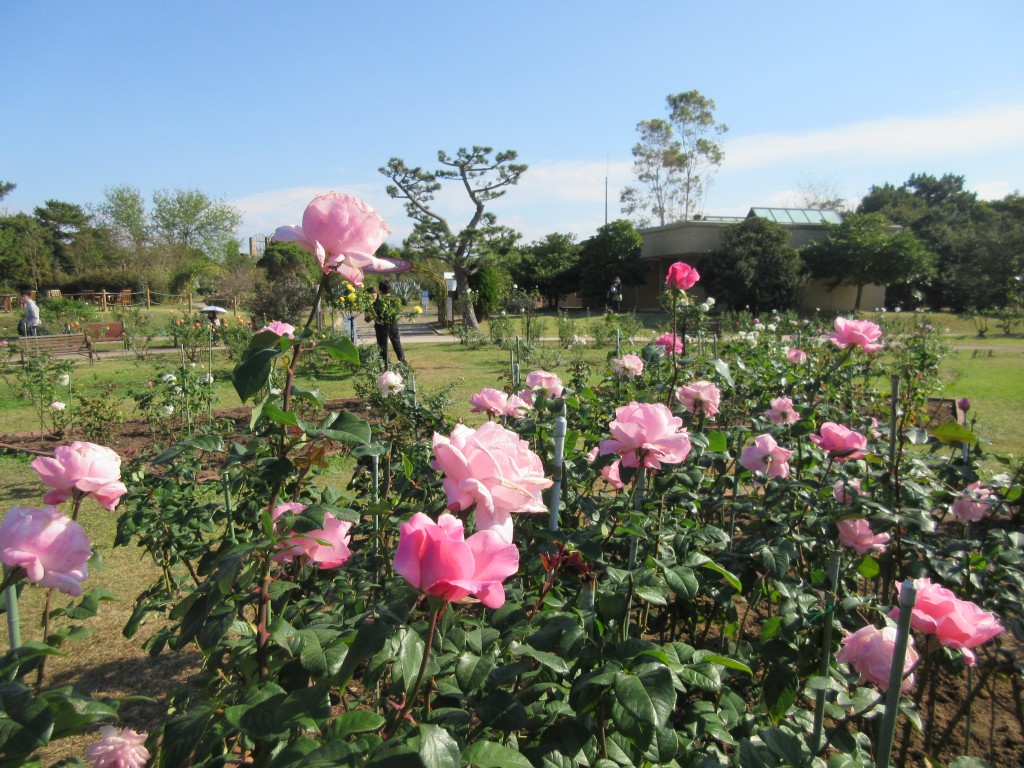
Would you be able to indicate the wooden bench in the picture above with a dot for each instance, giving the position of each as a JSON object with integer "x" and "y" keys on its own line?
{"x": 113, "y": 331}
{"x": 65, "y": 344}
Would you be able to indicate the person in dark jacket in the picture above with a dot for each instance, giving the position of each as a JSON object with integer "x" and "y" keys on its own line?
{"x": 384, "y": 312}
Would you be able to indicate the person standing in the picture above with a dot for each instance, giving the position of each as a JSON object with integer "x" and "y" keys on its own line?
{"x": 615, "y": 295}
{"x": 384, "y": 312}
{"x": 29, "y": 324}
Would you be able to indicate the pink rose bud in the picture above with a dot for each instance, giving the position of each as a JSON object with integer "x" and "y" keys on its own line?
{"x": 492, "y": 470}
{"x": 280, "y": 328}
{"x": 51, "y": 548}
{"x": 954, "y": 622}
{"x": 857, "y": 535}
{"x": 118, "y": 749}
{"x": 870, "y": 651}
{"x": 544, "y": 380}
{"x": 648, "y": 433}
{"x": 700, "y": 397}
{"x": 438, "y": 560}
{"x": 782, "y": 411}
{"x": 857, "y": 333}
{"x": 963, "y": 404}
{"x": 796, "y": 356}
{"x": 671, "y": 343}
{"x": 841, "y": 443}
{"x": 681, "y": 276}
{"x": 325, "y": 547}
{"x": 973, "y": 504}
{"x": 627, "y": 366}
{"x": 82, "y": 469}
{"x": 765, "y": 456}
{"x": 343, "y": 233}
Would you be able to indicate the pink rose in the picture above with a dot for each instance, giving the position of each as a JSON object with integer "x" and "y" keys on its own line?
{"x": 390, "y": 383}
{"x": 858, "y": 333}
{"x": 627, "y": 366}
{"x": 841, "y": 443}
{"x": 327, "y": 547}
{"x": 516, "y": 407}
{"x": 493, "y": 469}
{"x": 498, "y": 403}
{"x": 647, "y": 431}
{"x": 796, "y": 356}
{"x": 592, "y": 454}
{"x": 82, "y": 469}
{"x": 954, "y": 622}
{"x": 681, "y": 276}
{"x": 612, "y": 476}
{"x": 118, "y": 749}
{"x": 870, "y": 650}
{"x": 973, "y": 504}
{"x": 343, "y": 233}
{"x": 857, "y": 534}
{"x": 845, "y": 491}
{"x": 51, "y": 548}
{"x": 700, "y": 397}
{"x": 489, "y": 400}
{"x": 765, "y": 456}
{"x": 438, "y": 560}
{"x": 670, "y": 343}
{"x": 280, "y": 328}
{"x": 544, "y": 380}
{"x": 782, "y": 411}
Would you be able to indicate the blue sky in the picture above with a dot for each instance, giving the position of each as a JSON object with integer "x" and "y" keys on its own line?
{"x": 264, "y": 105}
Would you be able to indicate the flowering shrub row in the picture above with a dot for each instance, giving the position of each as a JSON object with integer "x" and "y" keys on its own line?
{"x": 695, "y": 560}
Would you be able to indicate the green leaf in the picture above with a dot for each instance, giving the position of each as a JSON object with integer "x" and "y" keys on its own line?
{"x": 357, "y": 721}
{"x": 307, "y": 708}
{"x": 951, "y": 432}
{"x": 681, "y": 580}
{"x": 26, "y": 722}
{"x": 713, "y": 566}
{"x": 725, "y": 661}
{"x": 722, "y": 368}
{"x": 717, "y": 442}
{"x": 868, "y": 567}
{"x": 779, "y": 692}
{"x": 437, "y": 748}
{"x": 785, "y": 745}
{"x": 278, "y": 416}
{"x": 490, "y": 754}
{"x": 201, "y": 442}
{"x": 341, "y": 349}
{"x": 646, "y": 700}
{"x": 253, "y": 373}
{"x": 410, "y": 657}
{"x": 314, "y": 396}
{"x": 702, "y": 675}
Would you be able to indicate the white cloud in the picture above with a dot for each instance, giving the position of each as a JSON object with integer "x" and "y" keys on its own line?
{"x": 894, "y": 137}
{"x": 993, "y": 190}
{"x": 552, "y": 196}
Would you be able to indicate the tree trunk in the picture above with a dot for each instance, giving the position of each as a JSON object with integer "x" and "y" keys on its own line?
{"x": 856, "y": 303}
{"x": 462, "y": 286}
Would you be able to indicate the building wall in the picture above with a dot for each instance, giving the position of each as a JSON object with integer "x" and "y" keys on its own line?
{"x": 693, "y": 241}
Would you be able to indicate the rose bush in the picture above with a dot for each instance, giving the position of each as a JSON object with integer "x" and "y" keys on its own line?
{"x": 678, "y": 603}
